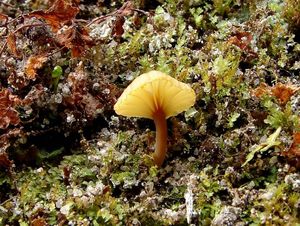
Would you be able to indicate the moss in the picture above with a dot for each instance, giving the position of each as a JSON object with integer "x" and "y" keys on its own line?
{"x": 225, "y": 49}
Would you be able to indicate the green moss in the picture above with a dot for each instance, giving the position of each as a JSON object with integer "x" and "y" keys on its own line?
{"x": 111, "y": 179}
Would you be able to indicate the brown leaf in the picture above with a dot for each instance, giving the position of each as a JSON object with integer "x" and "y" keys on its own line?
{"x": 241, "y": 39}
{"x": 75, "y": 38}
{"x": 8, "y": 115}
{"x": 261, "y": 90}
{"x": 33, "y": 64}
{"x": 39, "y": 222}
{"x": 127, "y": 9}
{"x": 3, "y": 17}
{"x": 283, "y": 92}
{"x": 118, "y": 29}
{"x": 60, "y": 13}
{"x": 11, "y": 43}
{"x": 5, "y": 138}
{"x": 295, "y": 148}
{"x": 4, "y": 161}
{"x": 293, "y": 153}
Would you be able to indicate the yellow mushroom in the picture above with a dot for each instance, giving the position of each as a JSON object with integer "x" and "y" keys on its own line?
{"x": 156, "y": 96}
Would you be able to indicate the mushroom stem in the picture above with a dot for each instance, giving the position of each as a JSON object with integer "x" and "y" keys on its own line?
{"x": 161, "y": 137}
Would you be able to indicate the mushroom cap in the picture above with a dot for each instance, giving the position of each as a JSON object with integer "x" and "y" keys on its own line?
{"x": 155, "y": 91}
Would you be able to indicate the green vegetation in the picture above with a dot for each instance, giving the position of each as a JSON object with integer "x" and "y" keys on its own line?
{"x": 66, "y": 158}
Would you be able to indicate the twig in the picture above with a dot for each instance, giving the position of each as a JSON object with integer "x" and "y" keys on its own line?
{"x": 100, "y": 19}
{"x": 60, "y": 49}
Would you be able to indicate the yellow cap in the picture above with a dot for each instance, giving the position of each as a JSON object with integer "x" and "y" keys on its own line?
{"x": 155, "y": 91}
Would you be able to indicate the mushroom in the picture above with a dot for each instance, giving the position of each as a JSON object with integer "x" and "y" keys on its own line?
{"x": 156, "y": 96}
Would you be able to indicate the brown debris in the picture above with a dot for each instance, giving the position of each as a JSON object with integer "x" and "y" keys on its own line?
{"x": 118, "y": 29}
{"x": 33, "y": 64}
{"x": 18, "y": 80}
{"x": 80, "y": 97}
{"x": 11, "y": 44}
{"x": 75, "y": 38}
{"x": 8, "y": 115}
{"x": 282, "y": 92}
{"x": 242, "y": 40}
{"x": 261, "y": 90}
{"x": 294, "y": 150}
{"x": 39, "y": 222}
{"x": 59, "y": 14}
{"x": 4, "y": 161}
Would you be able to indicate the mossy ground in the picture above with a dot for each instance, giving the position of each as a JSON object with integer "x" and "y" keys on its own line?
{"x": 233, "y": 158}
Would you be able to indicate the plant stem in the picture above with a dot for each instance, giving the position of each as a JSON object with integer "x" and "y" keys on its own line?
{"x": 161, "y": 137}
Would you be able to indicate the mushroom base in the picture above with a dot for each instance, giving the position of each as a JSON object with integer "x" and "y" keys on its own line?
{"x": 161, "y": 137}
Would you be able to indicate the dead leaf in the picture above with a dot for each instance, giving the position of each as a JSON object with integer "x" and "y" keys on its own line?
{"x": 77, "y": 39}
{"x": 60, "y": 13}
{"x": 118, "y": 29}
{"x": 11, "y": 43}
{"x": 33, "y": 64}
{"x": 5, "y": 138}
{"x": 3, "y": 17}
{"x": 283, "y": 92}
{"x": 294, "y": 150}
{"x": 241, "y": 39}
{"x": 4, "y": 161}
{"x": 262, "y": 90}
{"x": 8, "y": 115}
{"x": 127, "y": 9}
{"x": 39, "y": 222}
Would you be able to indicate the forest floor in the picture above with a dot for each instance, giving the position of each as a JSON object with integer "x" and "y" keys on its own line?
{"x": 66, "y": 158}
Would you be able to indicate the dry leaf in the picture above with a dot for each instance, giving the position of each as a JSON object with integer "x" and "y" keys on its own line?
{"x": 11, "y": 43}
{"x": 39, "y": 222}
{"x": 4, "y": 161}
{"x": 8, "y": 115}
{"x": 262, "y": 90}
{"x": 283, "y": 92}
{"x": 295, "y": 148}
{"x": 118, "y": 29}
{"x": 3, "y": 17}
{"x": 293, "y": 153}
{"x": 241, "y": 39}
{"x": 33, "y": 64}
{"x": 60, "y": 13}
{"x": 6, "y": 138}
{"x": 127, "y": 9}
{"x": 75, "y": 38}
